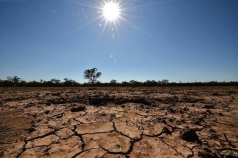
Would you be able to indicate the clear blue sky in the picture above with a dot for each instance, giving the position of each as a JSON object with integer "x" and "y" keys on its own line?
{"x": 179, "y": 40}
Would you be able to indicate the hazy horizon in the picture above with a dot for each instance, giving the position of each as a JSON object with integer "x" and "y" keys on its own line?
{"x": 183, "y": 40}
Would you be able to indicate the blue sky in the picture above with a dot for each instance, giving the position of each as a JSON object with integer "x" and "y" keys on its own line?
{"x": 179, "y": 40}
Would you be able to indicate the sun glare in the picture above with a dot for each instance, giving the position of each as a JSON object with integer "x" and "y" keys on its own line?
{"x": 111, "y": 15}
{"x": 111, "y": 11}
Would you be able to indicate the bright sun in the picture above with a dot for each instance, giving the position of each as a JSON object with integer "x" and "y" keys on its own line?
{"x": 111, "y": 11}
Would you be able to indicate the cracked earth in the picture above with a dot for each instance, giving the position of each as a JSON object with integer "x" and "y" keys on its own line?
{"x": 119, "y": 122}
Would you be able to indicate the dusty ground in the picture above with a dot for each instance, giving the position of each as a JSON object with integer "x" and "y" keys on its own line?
{"x": 119, "y": 122}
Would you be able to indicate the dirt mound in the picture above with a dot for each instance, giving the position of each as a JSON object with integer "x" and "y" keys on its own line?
{"x": 190, "y": 136}
{"x": 77, "y": 109}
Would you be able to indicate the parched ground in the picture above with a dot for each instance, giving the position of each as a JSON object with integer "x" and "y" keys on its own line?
{"x": 131, "y": 122}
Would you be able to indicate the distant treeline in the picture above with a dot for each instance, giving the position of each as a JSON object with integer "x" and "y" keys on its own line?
{"x": 17, "y": 82}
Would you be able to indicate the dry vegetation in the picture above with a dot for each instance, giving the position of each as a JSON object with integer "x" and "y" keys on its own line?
{"x": 119, "y": 122}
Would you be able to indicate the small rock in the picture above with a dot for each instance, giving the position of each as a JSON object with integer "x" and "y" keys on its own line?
{"x": 29, "y": 105}
{"x": 47, "y": 111}
{"x": 171, "y": 120}
{"x": 30, "y": 130}
{"x": 185, "y": 109}
{"x": 164, "y": 121}
{"x": 220, "y": 114}
{"x": 166, "y": 130}
{"x": 190, "y": 135}
{"x": 77, "y": 109}
{"x": 112, "y": 115}
{"x": 59, "y": 115}
{"x": 214, "y": 136}
{"x": 103, "y": 114}
{"x": 181, "y": 111}
{"x": 208, "y": 111}
{"x": 172, "y": 110}
{"x": 48, "y": 104}
{"x": 197, "y": 122}
{"x": 208, "y": 106}
{"x": 123, "y": 106}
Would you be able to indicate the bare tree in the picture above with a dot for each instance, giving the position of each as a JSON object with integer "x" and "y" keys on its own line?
{"x": 92, "y": 75}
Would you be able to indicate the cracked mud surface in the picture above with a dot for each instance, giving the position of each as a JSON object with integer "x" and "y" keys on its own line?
{"x": 119, "y": 122}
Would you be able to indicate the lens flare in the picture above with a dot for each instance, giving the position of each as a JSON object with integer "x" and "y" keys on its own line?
{"x": 111, "y": 11}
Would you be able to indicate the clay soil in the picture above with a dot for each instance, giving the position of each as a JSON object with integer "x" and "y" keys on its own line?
{"x": 131, "y": 122}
